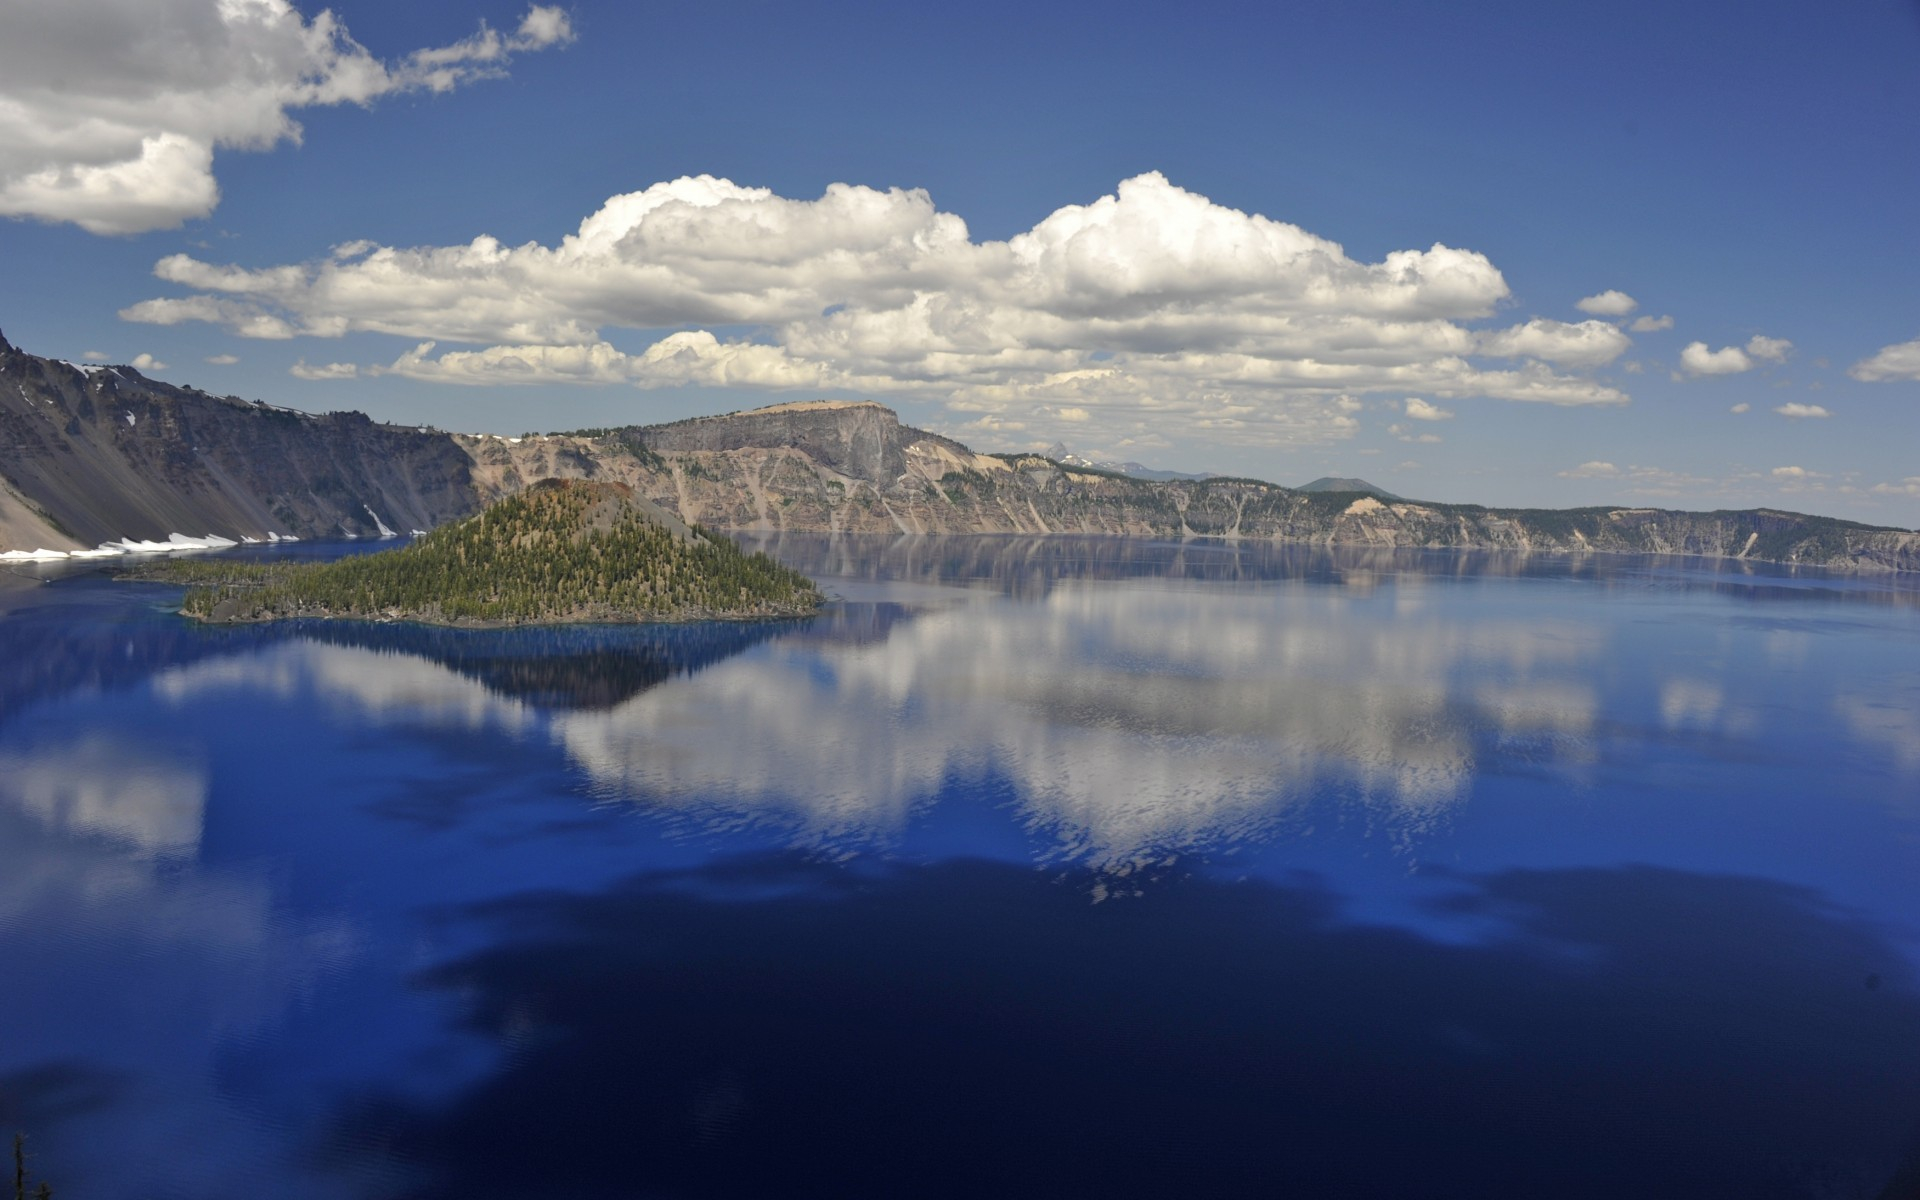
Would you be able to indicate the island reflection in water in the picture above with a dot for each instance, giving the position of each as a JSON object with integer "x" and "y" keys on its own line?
{"x": 1442, "y": 866}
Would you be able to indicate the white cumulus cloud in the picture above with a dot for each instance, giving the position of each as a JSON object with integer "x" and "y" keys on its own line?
{"x": 1799, "y": 412}
{"x": 147, "y": 362}
{"x": 1910, "y": 486}
{"x": 1421, "y": 410}
{"x": 1741, "y": 407}
{"x": 111, "y": 110}
{"x": 1768, "y": 349}
{"x": 1651, "y": 324}
{"x": 1149, "y": 305}
{"x": 1696, "y": 359}
{"x": 1790, "y": 473}
{"x": 1609, "y": 303}
{"x": 1899, "y": 361}
{"x": 222, "y": 360}
{"x": 1587, "y": 344}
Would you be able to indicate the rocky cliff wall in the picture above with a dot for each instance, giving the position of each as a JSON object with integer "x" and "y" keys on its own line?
{"x": 104, "y": 453}
{"x": 743, "y": 483}
{"x": 91, "y": 454}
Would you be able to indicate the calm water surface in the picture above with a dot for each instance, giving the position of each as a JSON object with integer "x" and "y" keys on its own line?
{"x": 1030, "y": 868}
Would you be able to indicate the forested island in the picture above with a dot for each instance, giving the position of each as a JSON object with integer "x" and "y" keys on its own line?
{"x": 562, "y": 551}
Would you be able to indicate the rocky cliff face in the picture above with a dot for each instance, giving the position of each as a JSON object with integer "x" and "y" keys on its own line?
{"x": 747, "y": 474}
{"x": 88, "y": 454}
{"x": 91, "y": 454}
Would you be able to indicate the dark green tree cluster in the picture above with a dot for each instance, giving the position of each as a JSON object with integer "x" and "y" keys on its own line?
{"x": 572, "y": 551}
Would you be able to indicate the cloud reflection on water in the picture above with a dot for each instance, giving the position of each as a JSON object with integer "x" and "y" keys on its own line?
{"x": 1130, "y": 719}
{"x": 152, "y": 798}
{"x": 105, "y": 908}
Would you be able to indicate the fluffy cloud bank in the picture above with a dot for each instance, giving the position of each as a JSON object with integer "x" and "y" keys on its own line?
{"x": 1148, "y": 303}
{"x": 111, "y": 110}
{"x": 1901, "y": 361}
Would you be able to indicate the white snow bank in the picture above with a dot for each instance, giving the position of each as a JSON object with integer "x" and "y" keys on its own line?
{"x": 175, "y": 541}
{"x": 378, "y": 523}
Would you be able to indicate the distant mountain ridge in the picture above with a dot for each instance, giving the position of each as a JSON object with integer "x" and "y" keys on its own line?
{"x": 1059, "y": 453}
{"x": 89, "y": 455}
{"x": 1334, "y": 483}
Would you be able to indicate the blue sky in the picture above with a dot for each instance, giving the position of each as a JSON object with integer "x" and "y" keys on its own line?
{"x": 906, "y": 204}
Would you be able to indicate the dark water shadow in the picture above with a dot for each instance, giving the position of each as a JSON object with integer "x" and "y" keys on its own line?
{"x": 42, "y": 1095}
{"x": 779, "y": 1027}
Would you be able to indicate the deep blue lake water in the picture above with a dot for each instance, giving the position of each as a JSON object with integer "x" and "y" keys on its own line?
{"x": 1030, "y": 868}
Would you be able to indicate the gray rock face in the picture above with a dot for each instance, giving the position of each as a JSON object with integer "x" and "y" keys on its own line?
{"x": 105, "y": 453}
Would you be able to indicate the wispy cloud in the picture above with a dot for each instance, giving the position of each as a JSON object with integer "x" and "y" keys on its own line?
{"x": 301, "y": 370}
{"x": 1590, "y": 470}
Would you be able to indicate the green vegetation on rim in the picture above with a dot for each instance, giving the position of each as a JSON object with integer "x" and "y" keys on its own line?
{"x": 561, "y": 551}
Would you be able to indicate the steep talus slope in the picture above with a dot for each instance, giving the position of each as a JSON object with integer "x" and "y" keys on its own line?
{"x": 103, "y": 453}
